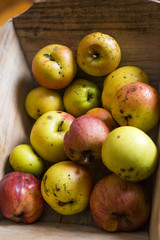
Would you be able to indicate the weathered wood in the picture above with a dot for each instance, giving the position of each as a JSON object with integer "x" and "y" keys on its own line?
{"x": 51, "y": 231}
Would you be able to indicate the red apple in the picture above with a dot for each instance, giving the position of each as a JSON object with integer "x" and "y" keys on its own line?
{"x": 20, "y": 197}
{"x": 136, "y": 104}
{"x": 83, "y": 141}
{"x": 105, "y": 116}
{"x": 118, "y": 205}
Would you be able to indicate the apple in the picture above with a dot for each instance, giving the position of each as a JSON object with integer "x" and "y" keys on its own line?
{"x": 136, "y": 104}
{"x": 41, "y": 100}
{"x": 84, "y": 139}
{"x": 80, "y": 96}
{"x": 119, "y": 206}
{"x": 66, "y": 187}
{"x": 104, "y": 115}
{"x": 130, "y": 153}
{"x": 98, "y": 54}
{"x": 20, "y": 197}
{"x": 54, "y": 66}
{"x": 118, "y": 78}
{"x": 24, "y": 159}
{"x": 47, "y": 135}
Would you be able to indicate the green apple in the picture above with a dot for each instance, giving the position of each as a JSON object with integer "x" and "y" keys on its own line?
{"x": 54, "y": 66}
{"x": 118, "y": 78}
{"x": 66, "y": 187}
{"x": 136, "y": 104}
{"x": 24, "y": 159}
{"x": 81, "y": 96}
{"x": 98, "y": 54}
{"x": 41, "y": 100}
{"x": 130, "y": 153}
{"x": 47, "y": 135}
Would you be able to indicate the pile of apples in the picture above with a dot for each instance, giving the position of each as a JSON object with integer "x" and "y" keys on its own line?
{"x": 79, "y": 129}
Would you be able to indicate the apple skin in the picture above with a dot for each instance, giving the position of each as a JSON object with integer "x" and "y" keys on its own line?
{"x": 41, "y": 100}
{"x": 83, "y": 141}
{"x": 24, "y": 159}
{"x": 54, "y": 66}
{"x": 136, "y": 104}
{"x": 81, "y": 96}
{"x": 119, "y": 206}
{"x": 105, "y": 116}
{"x": 98, "y": 54}
{"x": 20, "y": 197}
{"x": 117, "y": 79}
{"x": 130, "y": 153}
{"x": 47, "y": 135}
{"x": 66, "y": 187}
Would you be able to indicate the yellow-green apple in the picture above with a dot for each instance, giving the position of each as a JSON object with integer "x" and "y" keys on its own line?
{"x": 119, "y": 206}
{"x": 41, "y": 100}
{"x": 80, "y": 96}
{"x": 54, "y": 66}
{"x": 24, "y": 159}
{"x": 83, "y": 141}
{"x": 47, "y": 135}
{"x": 98, "y": 54}
{"x": 118, "y": 78}
{"x": 130, "y": 153}
{"x": 66, "y": 187}
{"x": 136, "y": 104}
{"x": 20, "y": 197}
{"x": 105, "y": 116}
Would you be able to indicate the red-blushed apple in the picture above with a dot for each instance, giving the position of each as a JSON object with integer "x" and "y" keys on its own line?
{"x": 105, "y": 116}
{"x": 20, "y": 197}
{"x": 117, "y": 79}
{"x": 47, "y": 135}
{"x": 66, "y": 187}
{"x": 136, "y": 104}
{"x": 54, "y": 66}
{"x": 83, "y": 141}
{"x": 98, "y": 54}
{"x": 119, "y": 206}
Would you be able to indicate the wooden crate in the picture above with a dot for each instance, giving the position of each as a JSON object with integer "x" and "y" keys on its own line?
{"x": 135, "y": 24}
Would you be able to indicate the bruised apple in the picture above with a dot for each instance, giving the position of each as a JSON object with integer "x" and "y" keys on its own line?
{"x": 20, "y": 197}
{"x": 104, "y": 115}
{"x": 98, "y": 54}
{"x": 54, "y": 66}
{"x": 47, "y": 135}
{"x": 119, "y": 206}
{"x": 130, "y": 153}
{"x": 117, "y": 79}
{"x": 83, "y": 141}
{"x": 66, "y": 187}
{"x": 136, "y": 104}
{"x": 41, "y": 100}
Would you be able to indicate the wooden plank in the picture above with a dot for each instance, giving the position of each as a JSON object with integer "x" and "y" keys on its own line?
{"x": 15, "y": 82}
{"x": 52, "y": 231}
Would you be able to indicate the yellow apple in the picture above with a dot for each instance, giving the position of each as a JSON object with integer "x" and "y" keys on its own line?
{"x": 41, "y": 100}
{"x": 130, "y": 153}
{"x": 47, "y": 135}
{"x": 80, "y": 96}
{"x": 98, "y": 54}
{"x": 66, "y": 187}
{"x": 54, "y": 66}
{"x": 24, "y": 159}
{"x": 118, "y": 78}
